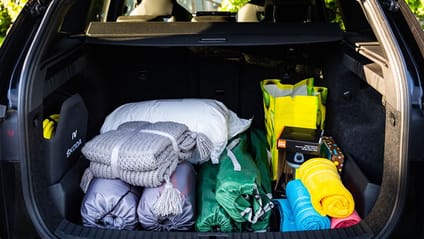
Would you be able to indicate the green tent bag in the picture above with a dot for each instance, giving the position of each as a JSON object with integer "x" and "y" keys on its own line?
{"x": 211, "y": 217}
{"x": 239, "y": 186}
{"x": 258, "y": 148}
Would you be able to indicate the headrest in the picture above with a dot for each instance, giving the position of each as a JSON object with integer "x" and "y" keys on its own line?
{"x": 153, "y": 8}
{"x": 249, "y": 13}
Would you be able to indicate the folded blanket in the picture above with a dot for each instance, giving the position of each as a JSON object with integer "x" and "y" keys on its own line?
{"x": 141, "y": 153}
{"x": 328, "y": 194}
{"x": 351, "y": 220}
{"x": 306, "y": 217}
{"x": 152, "y": 178}
{"x": 145, "y": 154}
{"x": 212, "y": 217}
{"x": 110, "y": 203}
{"x": 184, "y": 180}
{"x": 239, "y": 188}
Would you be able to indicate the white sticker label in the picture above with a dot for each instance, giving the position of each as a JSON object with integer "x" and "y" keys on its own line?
{"x": 74, "y": 134}
{"x": 73, "y": 148}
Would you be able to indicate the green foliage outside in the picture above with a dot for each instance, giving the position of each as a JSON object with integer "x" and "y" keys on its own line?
{"x": 417, "y": 7}
{"x": 5, "y": 20}
{"x": 334, "y": 12}
{"x": 232, "y": 5}
{"x": 9, "y": 10}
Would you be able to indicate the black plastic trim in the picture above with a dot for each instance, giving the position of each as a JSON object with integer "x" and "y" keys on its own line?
{"x": 69, "y": 230}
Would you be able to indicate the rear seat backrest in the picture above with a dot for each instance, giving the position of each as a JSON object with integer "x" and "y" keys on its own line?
{"x": 294, "y": 11}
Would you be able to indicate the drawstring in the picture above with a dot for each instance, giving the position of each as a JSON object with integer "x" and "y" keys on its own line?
{"x": 100, "y": 220}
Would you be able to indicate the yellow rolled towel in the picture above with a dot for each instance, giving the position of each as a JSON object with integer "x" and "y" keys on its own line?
{"x": 328, "y": 194}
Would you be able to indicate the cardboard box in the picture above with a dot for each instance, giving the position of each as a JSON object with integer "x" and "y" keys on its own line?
{"x": 329, "y": 149}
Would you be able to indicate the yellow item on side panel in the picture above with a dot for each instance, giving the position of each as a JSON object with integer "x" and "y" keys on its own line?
{"x": 49, "y": 126}
{"x": 298, "y": 105}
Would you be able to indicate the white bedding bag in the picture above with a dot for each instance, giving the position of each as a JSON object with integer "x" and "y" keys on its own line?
{"x": 207, "y": 116}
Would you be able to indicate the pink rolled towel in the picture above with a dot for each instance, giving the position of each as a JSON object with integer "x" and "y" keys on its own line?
{"x": 351, "y": 220}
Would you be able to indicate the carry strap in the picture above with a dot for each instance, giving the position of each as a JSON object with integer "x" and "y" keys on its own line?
{"x": 115, "y": 156}
{"x": 164, "y": 134}
{"x": 232, "y": 156}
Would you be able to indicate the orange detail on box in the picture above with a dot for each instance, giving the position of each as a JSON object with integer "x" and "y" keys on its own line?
{"x": 281, "y": 143}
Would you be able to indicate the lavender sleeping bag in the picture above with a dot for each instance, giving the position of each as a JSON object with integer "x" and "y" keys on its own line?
{"x": 111, "y": 204}
{"x": 184, "y": 180}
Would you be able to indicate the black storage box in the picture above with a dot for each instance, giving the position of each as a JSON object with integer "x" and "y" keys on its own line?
{"x": 296, "y": 145}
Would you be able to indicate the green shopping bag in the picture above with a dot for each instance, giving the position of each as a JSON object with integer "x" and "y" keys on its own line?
{"x": 298, "y": 105}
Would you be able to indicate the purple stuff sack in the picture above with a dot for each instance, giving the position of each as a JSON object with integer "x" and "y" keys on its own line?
{"x": 184, "y": 180}
{"x": 111, "y": 204}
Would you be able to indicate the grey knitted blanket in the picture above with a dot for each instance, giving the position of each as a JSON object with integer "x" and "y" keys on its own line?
{"x": 142, "y": 153}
